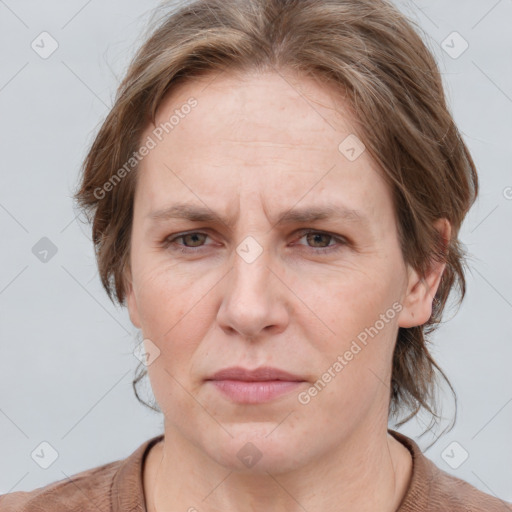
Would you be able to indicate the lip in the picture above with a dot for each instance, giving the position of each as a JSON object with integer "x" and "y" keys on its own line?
{"x": 263, "y": 373}
{"x": 260, "y": 385}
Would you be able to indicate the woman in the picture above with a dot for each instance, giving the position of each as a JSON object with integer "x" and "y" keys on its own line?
{"x": 276, "y": 197}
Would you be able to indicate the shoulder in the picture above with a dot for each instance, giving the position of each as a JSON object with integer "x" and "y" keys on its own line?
{"x": 432, "y": 489}
{"x": 87, "y": 490}
{"x": 449, "y": 493}
{"x": 115, "y": 486}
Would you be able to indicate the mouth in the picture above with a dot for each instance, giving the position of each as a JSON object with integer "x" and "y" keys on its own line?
{"x": 260, "y": 385}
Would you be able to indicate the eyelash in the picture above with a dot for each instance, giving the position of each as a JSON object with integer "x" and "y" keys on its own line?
{"x": 169, "y": 241}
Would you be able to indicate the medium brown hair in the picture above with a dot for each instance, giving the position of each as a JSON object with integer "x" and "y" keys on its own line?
{"x": 370, "y": 52}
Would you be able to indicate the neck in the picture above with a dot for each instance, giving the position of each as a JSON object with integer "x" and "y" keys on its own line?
{"x": 366, "y": 472}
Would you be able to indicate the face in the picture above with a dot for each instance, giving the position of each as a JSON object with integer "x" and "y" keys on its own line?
{"x": 263, "y": 279}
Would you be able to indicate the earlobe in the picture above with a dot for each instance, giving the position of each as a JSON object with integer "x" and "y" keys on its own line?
{"x": 420, "y": 293}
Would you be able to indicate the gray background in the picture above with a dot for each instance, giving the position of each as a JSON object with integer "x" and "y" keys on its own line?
{"x": 66, "y": 361}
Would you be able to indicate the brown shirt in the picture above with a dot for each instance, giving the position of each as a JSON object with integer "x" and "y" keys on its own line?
{"x": 118, "y": 487}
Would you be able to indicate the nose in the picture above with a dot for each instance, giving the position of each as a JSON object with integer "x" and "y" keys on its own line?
{"x": 255, "y": 300}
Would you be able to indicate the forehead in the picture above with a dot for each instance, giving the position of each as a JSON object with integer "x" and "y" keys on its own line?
{"x": 276, "y": 108}
{"x": 267, "y": 137}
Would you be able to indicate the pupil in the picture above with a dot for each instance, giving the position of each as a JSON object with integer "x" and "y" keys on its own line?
{"x": 194, "y": 236}
{"x": 315, "y": 235}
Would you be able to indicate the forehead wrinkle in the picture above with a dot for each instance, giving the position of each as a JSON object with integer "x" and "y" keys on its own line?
{"x": 199, "y": 213}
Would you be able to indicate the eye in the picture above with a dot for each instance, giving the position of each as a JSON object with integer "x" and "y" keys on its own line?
{"x": 195, "y": 239}
{"x": 321, "y": 241}
{"x": 318, "y": 241}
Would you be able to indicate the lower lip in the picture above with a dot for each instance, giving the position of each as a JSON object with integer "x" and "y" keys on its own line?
{"x": 254, "y": 392}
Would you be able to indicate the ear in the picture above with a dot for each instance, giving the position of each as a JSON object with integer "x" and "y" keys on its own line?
{"x": 131, "y": 299}
{"x": 417, "y": 302}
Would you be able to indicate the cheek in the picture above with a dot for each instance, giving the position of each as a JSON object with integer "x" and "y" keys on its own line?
{"x": 169, "y": 387}
{"x": 345, "y": 303}
{"x": 175, "y": 313}
{"x": 357, "y": 359}
{"x": 163, "y": 297}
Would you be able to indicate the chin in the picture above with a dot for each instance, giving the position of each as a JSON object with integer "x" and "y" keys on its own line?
{"x": 258, "y": 448}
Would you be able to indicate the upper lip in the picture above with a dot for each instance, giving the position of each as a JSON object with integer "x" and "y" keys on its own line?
{"x": 263, "y": 373}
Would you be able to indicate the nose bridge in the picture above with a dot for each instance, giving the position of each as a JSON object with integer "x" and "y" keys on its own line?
{"x": 252, "y": 301}
{"x": 251, "y": 266}
{"x": 251, "y": 277}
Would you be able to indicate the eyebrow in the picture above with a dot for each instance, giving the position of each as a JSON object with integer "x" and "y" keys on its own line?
{"x": 196, "y": 213}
